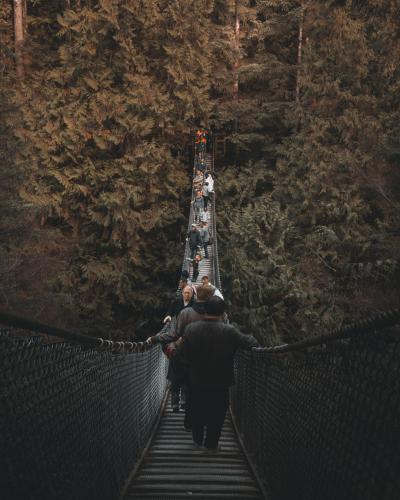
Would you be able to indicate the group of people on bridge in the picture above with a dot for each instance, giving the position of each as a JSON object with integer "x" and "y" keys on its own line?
{"x": 199, "y": 341}
{"x": 203, "y": 191}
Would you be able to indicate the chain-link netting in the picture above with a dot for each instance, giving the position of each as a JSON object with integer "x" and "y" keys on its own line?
{"x": 324, "y": 423}
{"x": 73, "y": 419}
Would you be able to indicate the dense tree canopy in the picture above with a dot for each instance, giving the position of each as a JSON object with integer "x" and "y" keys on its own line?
{"x": 97, "y": 105}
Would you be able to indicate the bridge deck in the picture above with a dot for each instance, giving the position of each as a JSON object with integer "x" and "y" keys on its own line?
{"x": 206, "y": 266}
{"x": 173, "y": 468}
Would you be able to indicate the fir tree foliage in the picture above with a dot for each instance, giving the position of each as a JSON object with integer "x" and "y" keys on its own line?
{"x": 332, "y": 163}
{"x": 104, "y": 167}
{"x": 95, "y": 134}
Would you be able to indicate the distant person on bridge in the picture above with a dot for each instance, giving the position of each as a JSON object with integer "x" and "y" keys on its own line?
{"x": 198, "y": 180}
{"x": 195, "y": 266}
{"x": 216, "y": 292}
{"x": 205, "y": 238}
{"x": 209, "y": 182}
{"x": 194, "y": 240}
{"x": 182, "y": 283}
{"x": 208, "y": 347}
{"x": 184, "y": 299}
{"x": 192, "y": 311}
{"x": 200, "y": 165}
{"x": 195, "y": 311}
{"x": 198, "y": 205}
{"x": 205, "y": 216}
{"x": 185, "y": 275}
{"x": 206, "y": 195}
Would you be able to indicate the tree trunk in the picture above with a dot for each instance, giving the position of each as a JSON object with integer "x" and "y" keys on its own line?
{"x": 19, "y": 36}
{"x": 237, "y": 46}
{"x": 299, "y": 52}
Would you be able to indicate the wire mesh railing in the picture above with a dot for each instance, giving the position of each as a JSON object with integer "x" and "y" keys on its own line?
{"x": 322, "y": 421}
{"x": 75, "y": 414}
{"x": 74, "y": 418}
{"x": 217, "y": 277}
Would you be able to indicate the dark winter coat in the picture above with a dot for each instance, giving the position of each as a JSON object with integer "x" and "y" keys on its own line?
{"x": 189, "y": 315}
{"x": 194, "y": 239}
{"x": 208, "y": 348}
{"x": 177, "y": 305}
{"x": 186, "y": 316}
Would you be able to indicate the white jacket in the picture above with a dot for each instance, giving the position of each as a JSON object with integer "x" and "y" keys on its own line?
{"x": 210, "y": 181}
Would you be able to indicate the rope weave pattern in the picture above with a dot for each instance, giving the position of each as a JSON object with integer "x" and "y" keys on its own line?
{"x": 73, "y": 419}
{"x": 323, "y": 422}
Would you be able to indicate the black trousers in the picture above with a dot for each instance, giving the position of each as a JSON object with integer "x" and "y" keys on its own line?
{"x": 177, "y": 376}
{"x": 178, "y": 394}
{"x": 195, "y": 273}
{"x": 192, "y": 252}
{"x": 207, "y": 406}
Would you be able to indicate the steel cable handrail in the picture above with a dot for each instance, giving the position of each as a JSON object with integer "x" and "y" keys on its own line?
{"x": 371, "y": 324}
{"x": 77, "y": 338}
{"x": 217, "y": 277}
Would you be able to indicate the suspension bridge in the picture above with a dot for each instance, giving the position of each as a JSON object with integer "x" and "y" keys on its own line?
{"x": 88, "y": 418}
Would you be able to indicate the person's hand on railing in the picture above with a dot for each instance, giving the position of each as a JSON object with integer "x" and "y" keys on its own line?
{"x": 150, "y": 340}
{"x": 167, "y": 318}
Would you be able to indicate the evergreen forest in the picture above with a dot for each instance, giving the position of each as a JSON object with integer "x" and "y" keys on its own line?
{"x": 99, "y": 100}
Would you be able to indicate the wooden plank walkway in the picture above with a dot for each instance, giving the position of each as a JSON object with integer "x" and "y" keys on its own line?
{"x": 173, "y": 468}
{"x": 206, "y": 266}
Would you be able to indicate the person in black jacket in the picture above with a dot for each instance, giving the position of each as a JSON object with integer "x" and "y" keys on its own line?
{"x": 194, "y": 240}
{"x": 208, "y": 347}
{"x": 175, "y": 374}
{"x": 177, "y": 371}
{"x": 194, "y": 263}
{"x": 184, "y": 298}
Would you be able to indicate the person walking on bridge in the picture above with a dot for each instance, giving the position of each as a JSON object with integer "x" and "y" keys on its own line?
{"x": 205, "y": 280}
{"x": 209, "y": 182}
{"x": 195, "y": 266}
{"x": 166, "y": 338}
{"x": 205, "y": 216}
{"x": 189, "y": 315}
{"x": 198, "y": 205}
{"x": 195, "y": 312}
{"x": 206, "y": 195}
{"x": 205, "y": 238}
{"x": 184, "y": 299}
{"x": 194, "y": 240}
{"x": 208, "y": 347}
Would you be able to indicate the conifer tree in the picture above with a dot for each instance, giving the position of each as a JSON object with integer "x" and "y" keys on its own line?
{"x": 185, "y": 65}
{"x": 102, "y": 166}
{"x": 334, "y": 171}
